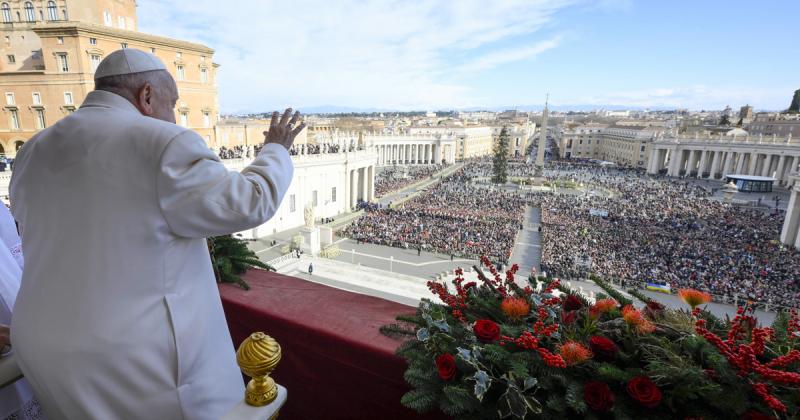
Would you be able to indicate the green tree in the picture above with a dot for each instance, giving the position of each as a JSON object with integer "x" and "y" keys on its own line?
{"x": 230, "y": 257}
{"x": 500, "y": 161}
{"x": 794, "y": 108}
{"x": 725, "y": 120}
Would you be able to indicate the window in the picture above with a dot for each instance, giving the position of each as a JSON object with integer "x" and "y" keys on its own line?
{"x": 14, "y": 119}
{"x": 314, "y": 198}
{"x": 292, "y": 204}
{"x": 181, "y": 73}
{"x": 52, "y": 12}
{"x": 40, "y": 123}
{"x": 68, "y": 98}
{"x": 107, "y": 18}
{"x": 92, "y": 41}
{"x": 124, "y": 45}
{"x": 30, "y": 14}
{"x": 60, "y": 40}
{"x": 204, "y": 75}
{"x": 11, "y": 59}
{"x": 153, "y": 50}
{"x": 206, "y": 119}
{"x": 62, "y": 62}
{"x": 8, "y": 40}
{"x": 178, "y": 55}
{"x": 9, "y": 98}
{"x": 642, "y": 149}
{"x": 333, "y": 195}
{"x": 95, "y": 58}
{"x": 184, "y": 118}
{"x": 121, "y": 22}
{"x": 37, "y": 98}
{"x": 202, "y": 59}
{"x": 6, "y": 13}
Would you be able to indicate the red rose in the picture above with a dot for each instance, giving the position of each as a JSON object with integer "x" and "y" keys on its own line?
{"x": 486, "y": 330}
{"x": 603, "y": 349}
{"x": 572, "y": 303}
{"x": 446, "y": 364}
{"x": 645, "y": 391}
{"x": 598, "y": 396}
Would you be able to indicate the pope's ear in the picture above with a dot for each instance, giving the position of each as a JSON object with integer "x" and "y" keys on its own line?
{"x": 145, "y": 99}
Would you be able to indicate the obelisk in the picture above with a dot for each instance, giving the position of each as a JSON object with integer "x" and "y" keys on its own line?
{"x": 542, "y": 140}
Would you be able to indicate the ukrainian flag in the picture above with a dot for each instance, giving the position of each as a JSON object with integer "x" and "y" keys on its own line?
{"x": 663, "y": 288}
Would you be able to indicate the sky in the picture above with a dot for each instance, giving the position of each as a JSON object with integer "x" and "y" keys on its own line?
{"x": 491, "y": 54}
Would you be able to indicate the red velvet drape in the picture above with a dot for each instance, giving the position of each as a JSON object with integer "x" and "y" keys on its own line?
{"x": 335, "y": 364}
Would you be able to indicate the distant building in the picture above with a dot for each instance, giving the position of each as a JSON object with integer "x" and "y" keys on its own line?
{"x": 746, "y": 114}
{"x": 470, "y": 141}
{"x": 50, "y": 50}
{"x": 624, "y": 145}
{"x": 520, "y": 136}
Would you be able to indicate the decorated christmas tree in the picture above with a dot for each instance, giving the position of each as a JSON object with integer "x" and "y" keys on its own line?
{"x": 500, "y": 161}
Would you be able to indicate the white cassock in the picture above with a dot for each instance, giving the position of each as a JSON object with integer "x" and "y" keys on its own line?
{"x": 16, "y": 401}
{"x": 119, "y": 316}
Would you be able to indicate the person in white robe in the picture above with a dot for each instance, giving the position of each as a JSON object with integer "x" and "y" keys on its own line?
{"x": 119, "y": 315}
{"x": 16, "y": 400}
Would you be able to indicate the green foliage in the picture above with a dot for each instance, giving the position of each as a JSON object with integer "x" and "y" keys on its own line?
{"x": 230, "y": 257}
{"x": 505, "y": 379}
{"x": 794, "y": 108}
{"x": 500, "y": 160}
{"x": 611, "y": 291}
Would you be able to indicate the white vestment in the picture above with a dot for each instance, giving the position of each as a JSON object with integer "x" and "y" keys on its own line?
{"x": 119, "y": 316}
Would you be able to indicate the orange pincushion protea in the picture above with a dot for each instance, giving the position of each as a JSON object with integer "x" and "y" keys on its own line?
{"x": 694, "y": 298}
{"x": 634, "y": 318}
{"x": 515, "y": 308}
{"x": 602, "y": 306}
{"x": 573, "y": 353}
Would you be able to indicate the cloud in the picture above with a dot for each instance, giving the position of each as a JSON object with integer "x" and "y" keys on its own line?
{"x": 509, "y": 55}
{"x": 391, "y": 54}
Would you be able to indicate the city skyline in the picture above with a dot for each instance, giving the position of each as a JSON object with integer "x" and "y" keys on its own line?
{"x": 462, "y": 55}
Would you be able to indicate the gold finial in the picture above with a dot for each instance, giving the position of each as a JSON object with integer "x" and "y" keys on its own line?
{"x": 257, "y": 356}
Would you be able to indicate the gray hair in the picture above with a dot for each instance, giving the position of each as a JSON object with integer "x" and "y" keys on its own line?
{"x": 128, "y": 85}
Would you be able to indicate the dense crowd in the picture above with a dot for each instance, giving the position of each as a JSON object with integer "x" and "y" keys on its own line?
{"x": 666, "y": 232}
{"x": 452, "y": 217}
{"x": 398, "y": 177}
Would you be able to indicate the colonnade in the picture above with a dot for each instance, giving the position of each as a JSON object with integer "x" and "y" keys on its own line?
{"x": 414, "y": 154}
{"x": 714, "y": 161}
{"x": 790, "y": 234}
{"x": 360, "y": 185}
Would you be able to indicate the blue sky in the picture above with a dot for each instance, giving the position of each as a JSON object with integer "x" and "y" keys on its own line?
{"x": 390, "y": 54}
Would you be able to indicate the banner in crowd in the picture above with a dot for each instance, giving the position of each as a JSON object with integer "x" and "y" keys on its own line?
{"x": 598, "y": 212}
{"x": 656, "y": 287}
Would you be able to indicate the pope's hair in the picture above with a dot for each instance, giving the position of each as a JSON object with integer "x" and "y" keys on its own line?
{"x": 128, "y": 85}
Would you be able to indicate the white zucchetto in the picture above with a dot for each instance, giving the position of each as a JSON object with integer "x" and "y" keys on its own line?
{"x": 127, "y": 61}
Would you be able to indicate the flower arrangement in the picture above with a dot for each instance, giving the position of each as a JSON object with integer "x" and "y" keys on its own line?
{"x": 496, "y": 349}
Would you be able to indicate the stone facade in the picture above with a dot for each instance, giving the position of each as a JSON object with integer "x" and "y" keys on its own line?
{"x": 714, "y": 157}
{"x": 47, "y": 65}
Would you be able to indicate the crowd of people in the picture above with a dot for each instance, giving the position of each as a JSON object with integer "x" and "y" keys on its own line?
{"x": 668, "y": 232}
{"x": 398, "y": 177}
{"x": 453, "y": 217}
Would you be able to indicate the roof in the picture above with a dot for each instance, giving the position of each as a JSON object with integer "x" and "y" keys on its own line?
{"x": 751, "y": 178}
{"x": 73, "y": 28}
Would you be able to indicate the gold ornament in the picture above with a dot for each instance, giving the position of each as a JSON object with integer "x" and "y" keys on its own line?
{"x": 257, "y": 356}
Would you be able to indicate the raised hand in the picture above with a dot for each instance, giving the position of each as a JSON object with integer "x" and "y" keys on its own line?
{"x": 284, "y": 131}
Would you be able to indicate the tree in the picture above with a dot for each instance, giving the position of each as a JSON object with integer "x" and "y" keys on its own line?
{"x": 794, "y": 108}
{"x": 500, "y": 161}
{"x": 725, "y": 120}
{"x": 230, "y": 257}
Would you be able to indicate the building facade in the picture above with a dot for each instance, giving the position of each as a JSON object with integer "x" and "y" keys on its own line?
{"x": 50, "y": 50}
{"x": 624, "y": 145}
{"x": 470, "y": 141}
{"x": 714, "y": 157}
{"x": 519, "y": 137}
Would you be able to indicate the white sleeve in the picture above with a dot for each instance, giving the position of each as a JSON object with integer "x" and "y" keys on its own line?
{"x": 10, "y": 236}
{"x": 199, "y": 197}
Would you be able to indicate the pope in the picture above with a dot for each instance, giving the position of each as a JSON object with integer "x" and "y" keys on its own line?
{"x": 118, "y": 315}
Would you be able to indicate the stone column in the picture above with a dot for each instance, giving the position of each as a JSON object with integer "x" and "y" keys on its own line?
{"x": 714, "y": 165}
{"x": 701, "y": 167}
{"x": 767, "y": 166}
{"x": 651, "y": 163}
{"x": 779, "y": 169}
{"x": 740, "y": 163}
{"x": 365, "y": 183}
{"x": 371, "y": 178}
{"x": 692, "y": 162}
{"x": 353, "y": 188}
{"x": 751, "y": 168}
{"x": 790, "y": 224}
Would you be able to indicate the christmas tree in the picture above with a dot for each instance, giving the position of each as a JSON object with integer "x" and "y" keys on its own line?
{"x": 794, "y": 108}
{"x": 231, "y": 257}
{"x": 500, "y": 162}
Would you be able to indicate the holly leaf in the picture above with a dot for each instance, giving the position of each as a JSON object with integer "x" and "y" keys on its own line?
{"x": 482, "y": 384}
{"x": 423, "y": 334}
{"x": 530, "y": 382}
{"x": 465, "y": 354}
